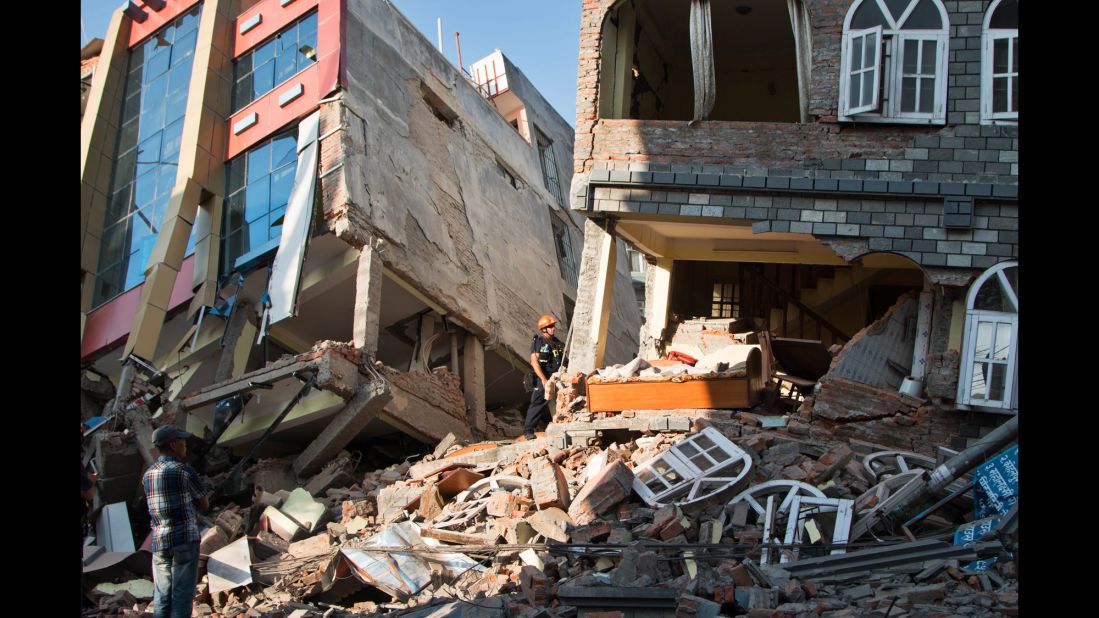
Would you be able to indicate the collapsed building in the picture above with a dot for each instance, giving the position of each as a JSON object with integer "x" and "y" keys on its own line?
{"x": 258, "y": 178}
{"x": 830, "y": 300}
{"x": 844, "y": 172}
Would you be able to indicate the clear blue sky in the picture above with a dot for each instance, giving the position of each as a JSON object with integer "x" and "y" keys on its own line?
{"x": 542, "y": 37}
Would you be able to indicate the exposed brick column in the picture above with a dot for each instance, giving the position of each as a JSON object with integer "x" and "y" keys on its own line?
{"x": 473, "y": 380}
{"x": 587, "y": 83}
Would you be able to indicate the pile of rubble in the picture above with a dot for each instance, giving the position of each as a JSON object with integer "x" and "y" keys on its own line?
{"x": 686, "y": 520}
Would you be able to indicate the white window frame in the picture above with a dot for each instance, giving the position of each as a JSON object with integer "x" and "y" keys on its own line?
{"x": 885, "y": 106}
{"x": 721, "y": 302}
{"x": 694, "y": 479}
{"x": 975, "y": 318}
{"x": 938, "y": 108}
{"x": 849, "y": 39}
{"x": 989, "y": 36}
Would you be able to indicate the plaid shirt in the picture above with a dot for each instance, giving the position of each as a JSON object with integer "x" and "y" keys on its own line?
{"x": 170, "y": 488}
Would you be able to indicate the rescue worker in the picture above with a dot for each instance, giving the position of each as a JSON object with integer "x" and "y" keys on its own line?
{"x": 546, "y": 357}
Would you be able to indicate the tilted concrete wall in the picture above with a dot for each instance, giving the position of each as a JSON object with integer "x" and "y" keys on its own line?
{"x": 454, "y": 227}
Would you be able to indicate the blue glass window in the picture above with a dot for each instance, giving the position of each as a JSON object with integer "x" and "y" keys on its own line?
{"x": 268, "y": 65}
{"x": 258, "y": 184}
{"x": 154, "y": 100}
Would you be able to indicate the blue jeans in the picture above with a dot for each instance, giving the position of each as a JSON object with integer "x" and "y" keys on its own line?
{"x": 175, "y": 573}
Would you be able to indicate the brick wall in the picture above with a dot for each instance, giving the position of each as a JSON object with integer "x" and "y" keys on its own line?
{"x": 961, "y": 151}
{"x": 941, "y": 381}
{"x": 921, "y": 430}
{"x": 905, "y": 223}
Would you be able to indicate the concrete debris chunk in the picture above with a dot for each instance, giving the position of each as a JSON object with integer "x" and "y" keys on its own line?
{"x": 610, "y": 487}
{"x": 549, "y": 484}
{"x": 551, "y": 523}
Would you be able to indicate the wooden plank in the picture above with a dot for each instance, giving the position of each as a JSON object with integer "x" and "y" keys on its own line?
{"x": 720, "y": 393}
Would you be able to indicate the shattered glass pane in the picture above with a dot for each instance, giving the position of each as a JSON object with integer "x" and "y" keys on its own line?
{"x": 702, "y": 461}
{"x": 654, "y": 483}
{"x": 664, "y": 469}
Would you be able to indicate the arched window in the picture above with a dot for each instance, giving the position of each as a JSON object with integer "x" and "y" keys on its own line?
{"x": 1000, "y": 63}
{"x": 988, "y": 366}
{"x": 893, "y": 63}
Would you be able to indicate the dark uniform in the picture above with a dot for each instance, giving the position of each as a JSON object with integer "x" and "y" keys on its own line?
{"x": 550, "y": 355}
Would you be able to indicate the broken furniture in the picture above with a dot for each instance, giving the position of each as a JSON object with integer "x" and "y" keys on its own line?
{"x": 803, "y": 361}
{"x": 792, "y": 506}
{"x": 737, "y": 388}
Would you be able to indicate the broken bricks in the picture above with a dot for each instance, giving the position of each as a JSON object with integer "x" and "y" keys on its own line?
{"x": 571, "y": 517}
{"x": 607, "y": 489}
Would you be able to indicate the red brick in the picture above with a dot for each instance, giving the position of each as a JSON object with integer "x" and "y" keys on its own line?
{"x": 534, "y": 585}
{"x": 549, "y": 484}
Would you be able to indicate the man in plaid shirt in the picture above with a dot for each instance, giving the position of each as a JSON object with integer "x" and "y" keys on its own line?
{"x": 171, "y": 489}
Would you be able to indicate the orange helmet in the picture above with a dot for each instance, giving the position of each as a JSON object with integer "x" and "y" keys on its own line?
{"x": 546, "y": 320}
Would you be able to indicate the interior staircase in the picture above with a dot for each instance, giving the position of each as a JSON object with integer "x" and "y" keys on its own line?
{"x": 792, "y": 299}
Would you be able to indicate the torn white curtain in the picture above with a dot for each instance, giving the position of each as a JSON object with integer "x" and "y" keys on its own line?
{"x": 702, "y": 58}
{"x": 798, "y": 21}
{"x": 286, "y": 269}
